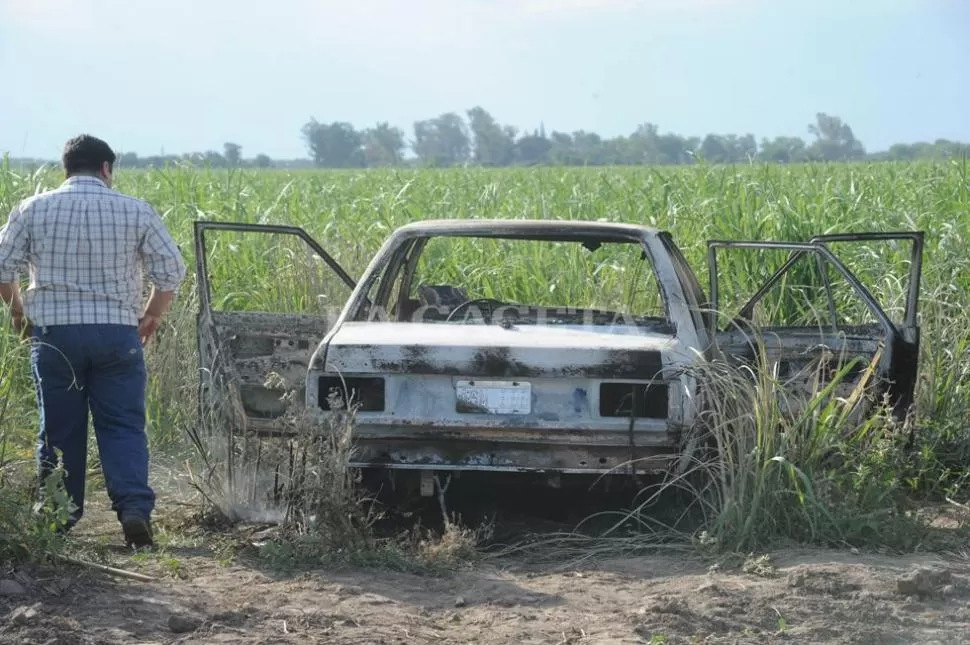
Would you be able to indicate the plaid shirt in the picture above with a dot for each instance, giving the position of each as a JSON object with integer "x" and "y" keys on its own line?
{"x": 85, "y": 246}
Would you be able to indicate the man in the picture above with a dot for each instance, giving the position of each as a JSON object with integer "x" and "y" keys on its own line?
{"x": 85, "y": 246}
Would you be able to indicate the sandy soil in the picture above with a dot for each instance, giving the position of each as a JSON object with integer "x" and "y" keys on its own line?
{"x": 799, "y": 596}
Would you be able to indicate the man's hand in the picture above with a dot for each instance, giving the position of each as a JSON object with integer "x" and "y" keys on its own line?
{"x": 148, "y": 324}
{"x": 158, "y": 303}
{"x": 10, "y": 295}
{"x": 20, "y": 324}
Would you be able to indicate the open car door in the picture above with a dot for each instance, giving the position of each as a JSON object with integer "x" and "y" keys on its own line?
{"x": 268, "y": 295}
{"x": 814, "y": 318}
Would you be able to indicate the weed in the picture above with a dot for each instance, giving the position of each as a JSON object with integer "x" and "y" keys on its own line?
{"x": 782, "y": 623}
{"x": 758, "y": 566}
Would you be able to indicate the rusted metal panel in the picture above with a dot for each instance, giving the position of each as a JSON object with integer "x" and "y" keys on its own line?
{"x": 658, "y": 433}
{"x": 538, "y": 456}
{"x": 252, "y": 348}
{"x": 548, "y": 230}
{"x": 276, "y": 325}
{"x": 491, "y": 351}
{"x": 558, "y": 405}
{"x": 803, "y": 340}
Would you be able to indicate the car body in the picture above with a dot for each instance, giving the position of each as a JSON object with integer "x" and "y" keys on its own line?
{"x": 443, "y": 381}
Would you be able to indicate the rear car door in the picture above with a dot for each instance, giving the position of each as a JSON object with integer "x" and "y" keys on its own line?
{"x": 268, "y": 294}
{"x": 813, "y": 317}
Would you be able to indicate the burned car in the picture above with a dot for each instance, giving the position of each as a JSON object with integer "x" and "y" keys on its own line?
{"x": 539, "y": 346}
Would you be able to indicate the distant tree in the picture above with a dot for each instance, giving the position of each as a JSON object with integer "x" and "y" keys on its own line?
{"x": 128, "y": 160}
{"x": 729, "y": 148}
{"x": 442, "y": 141}
{"x": 493, "y": 144}
{"x": 532, "y": 149}
{"x": 383, "y": 145}
{"x": 209, "y": 157}
{"x": 715, "y": 149}
{"x": 618, "y": 151}
{"x": 262, "y": 161}
{"x": 834, "y": 140}
{"x": 232, "y": 153}
{"x": 783, "y": 150}
{"x": 643, "y": 146}
{"x": 337, "y": 145}
{"x": 587, "y": 148}
{"x": 743, "y": 148}
{"x": 561, "y": 151}
{"x": 674, "y": 149}
{"x": 946, "y": 149}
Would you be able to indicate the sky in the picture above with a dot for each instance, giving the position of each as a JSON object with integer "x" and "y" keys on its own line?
{"x": 188, "y": 75}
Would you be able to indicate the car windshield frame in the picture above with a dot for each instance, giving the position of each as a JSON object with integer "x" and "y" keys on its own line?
{"x": 392, "y": 273}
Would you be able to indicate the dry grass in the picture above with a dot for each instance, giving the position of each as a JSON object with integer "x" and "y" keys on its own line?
{"x": 770, "y": 464}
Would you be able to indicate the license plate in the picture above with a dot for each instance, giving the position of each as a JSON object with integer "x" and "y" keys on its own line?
{"x": 493, "y": 397}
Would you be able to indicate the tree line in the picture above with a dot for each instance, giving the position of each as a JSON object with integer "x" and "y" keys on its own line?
{"x": 476, "y": 138}
{"x": 451, "y": 140}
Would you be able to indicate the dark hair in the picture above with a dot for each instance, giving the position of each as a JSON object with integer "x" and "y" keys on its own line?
{"x": 85, "y": 153}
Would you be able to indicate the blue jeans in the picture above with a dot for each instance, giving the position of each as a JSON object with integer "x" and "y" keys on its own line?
{"x": 100, "y": 368}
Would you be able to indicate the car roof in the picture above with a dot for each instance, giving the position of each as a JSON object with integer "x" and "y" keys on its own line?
{"x": 537, "y": 229}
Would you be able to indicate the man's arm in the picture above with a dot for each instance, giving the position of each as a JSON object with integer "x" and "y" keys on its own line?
{"x": 14, "y": 245}
{"x": 159, "y": 302}
{"x": 166, "y": 270}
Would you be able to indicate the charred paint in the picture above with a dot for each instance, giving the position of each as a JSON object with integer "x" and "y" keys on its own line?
{"x": 252, "y": 345}
{"x": 580, "y": 400}
{"x": 543, "y": 456}
{"x": 644, "y": 365}
{"x": 414, "y": 360}
{"x": 501, "y": 362}
{"x": 498, "y": 361}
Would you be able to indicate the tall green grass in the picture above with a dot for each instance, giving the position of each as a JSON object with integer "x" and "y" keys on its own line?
{"x": 351, "y": 212}
{"x": 28, "y": 529}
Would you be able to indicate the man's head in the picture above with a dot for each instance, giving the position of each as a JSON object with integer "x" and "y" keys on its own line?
{"x": 87, "y": 155}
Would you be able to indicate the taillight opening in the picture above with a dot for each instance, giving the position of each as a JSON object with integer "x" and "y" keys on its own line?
{"x": 639, "y": 400}
{"x": 365, "y": 394}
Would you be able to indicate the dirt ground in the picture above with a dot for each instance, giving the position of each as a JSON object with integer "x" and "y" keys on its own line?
{"x": 198, "y": 596}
